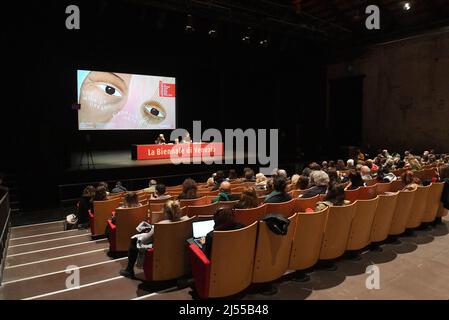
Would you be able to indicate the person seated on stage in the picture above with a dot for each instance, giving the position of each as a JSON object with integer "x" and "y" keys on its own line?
{"x": 151, "y": 187}
{"x": 279, "y": 194}
{"x": 119, "y": 188}
{"x": 143, "y": 241}
{"x": 160, "y": 193}
{"x": 248, "y": 199}
{"x": 187, "y": 138}
{"x": 160, "y": 139}
{"x": 334, "y": 197}
{"x": 409, "y": 181}
{"x": 100, "y": 194}
{"x": 225, "y": 193}
{"x": 355, "y": 180}
{"x": 218, "y": 179}
{"x": 105, "y": 185}
{"x": 321, "y": 183}
{"x": 189, "y": 190}
{"x": 232, "y": 174}
{"x": 224, "y": 219}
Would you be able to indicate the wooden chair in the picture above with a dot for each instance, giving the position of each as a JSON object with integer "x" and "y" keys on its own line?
{"x": 227, "y": 204}
{"x": 230, "y": 267}
{"x": 156, "y": 200}
{"x": 418, "y": 208}
{"x": 352, "y": 195}
{"x": 193, "y": 202}
{"x": 371, "y": 182}
{"x": 381, "y": 188}
{"x": 168, "y": 259}
{"x": 208, "y": 209}
{"x": 433, "y": 201}
{"x": 102, "y": 211}
{"x": 337, "y": 229}
{"x": 384, "y": 216}
{"x": 126, "y": 221}
{"x": 360, "y": 233}
{"x": 367, "y": 193}
{"x": 302, "y": 204}
{"x": 249, "y": 216}
{"x": 272, "y": 252}
{"x": 284, "y": 208}
{"x": 156, "y": 206}
{"x": 402, "y": 212}
{"x": 297, "y": 193}
{"x": 157, "y": 216}
{"x": 308, "y": 238}
{"x": 396, "y": 185}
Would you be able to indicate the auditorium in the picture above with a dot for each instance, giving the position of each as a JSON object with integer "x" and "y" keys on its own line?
{"x": 202, "y": 151}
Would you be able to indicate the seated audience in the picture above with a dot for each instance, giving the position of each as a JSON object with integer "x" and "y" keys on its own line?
{"x": 409, "y": 181}
{"x": 293, "y": 182}
{"x": 100, "y": 194}
{"x": 224, "y": 221}
{"x": 249, "y": 176}
{"x": 232, "y": 174}
{"x": 350, "y": 164}
{"x": 218, "y": 179}
{"x": 142, "y": 241}
{"x": 340, "y": 165}
{"x": 279, "y": 194}
{"x": 151, "y": 187}
{"x": 131, "y": 200}
{"x": 225, "y": 193}
{"x": 385, "y": 176}
{"x": 189, "y": 190}
{"x": 160, "y": 192}
{"x": 119, "y": 188}
{"x": 321, "y": 183}
{"x": 334, "y": 197}
{"x": 303, "y": 183}
{"x": 248, "y": 199}
{"x": 355, "y": 180}
{"x": 324, "y": 165}
{"x": 270, "y": 185}
{"x": 84, "y": 205}
{"x": 106, "y": 187}
{"x": 333, "y": 177}
{"x": 261, "y": 182}
{"x": 366, "y": 173}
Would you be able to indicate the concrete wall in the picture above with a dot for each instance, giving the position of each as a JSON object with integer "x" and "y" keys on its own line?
{"x": 406, "y": 92}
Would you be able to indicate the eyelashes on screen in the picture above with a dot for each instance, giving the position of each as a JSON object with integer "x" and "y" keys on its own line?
{"x": 110, "y": 90}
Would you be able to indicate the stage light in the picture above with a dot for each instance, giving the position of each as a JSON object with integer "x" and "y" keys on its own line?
{"x": 407, "y": 6}
{"x": 213, "y": 32}
{"x": 189, "y": 25}
{"x": 264, "y": 43}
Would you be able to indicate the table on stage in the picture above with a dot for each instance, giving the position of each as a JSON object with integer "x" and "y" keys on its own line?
{"x": 182, "y": 150}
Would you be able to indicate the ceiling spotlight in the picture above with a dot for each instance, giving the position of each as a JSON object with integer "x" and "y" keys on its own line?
{"x": 247, "y": 37}
{"x": 264, "y": 43}
{"x": 213, "y": 32}
{"x": 407, "y": 6}
{"x": 189, "y": 25}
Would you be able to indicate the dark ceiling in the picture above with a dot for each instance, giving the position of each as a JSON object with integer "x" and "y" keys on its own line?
{"x": 332, "y": 21}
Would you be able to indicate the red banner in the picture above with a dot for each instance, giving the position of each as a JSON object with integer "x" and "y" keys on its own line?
{"x": 167, "y": 89}
{"x": 185, "y": 150}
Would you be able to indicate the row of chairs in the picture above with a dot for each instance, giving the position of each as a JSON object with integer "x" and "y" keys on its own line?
{"x": 256, "y": 255}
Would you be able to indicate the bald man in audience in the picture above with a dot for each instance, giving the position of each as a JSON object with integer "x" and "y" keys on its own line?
{"x": 225, "y": 193}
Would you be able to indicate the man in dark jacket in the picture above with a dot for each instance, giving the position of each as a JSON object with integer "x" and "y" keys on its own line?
{"x": 320, "y": 181}
{"x": 278, "y": 195}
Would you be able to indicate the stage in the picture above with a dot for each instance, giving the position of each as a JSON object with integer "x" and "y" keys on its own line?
{"x": 116, "y": 159}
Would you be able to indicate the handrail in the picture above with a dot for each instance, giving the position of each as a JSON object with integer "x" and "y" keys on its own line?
{"x": 5, "y": 214}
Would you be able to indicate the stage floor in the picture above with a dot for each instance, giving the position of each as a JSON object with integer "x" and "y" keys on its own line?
{"x": 122, "y": 159}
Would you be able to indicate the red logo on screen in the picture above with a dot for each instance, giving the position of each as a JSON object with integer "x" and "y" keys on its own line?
{"x": 167, "y": 89}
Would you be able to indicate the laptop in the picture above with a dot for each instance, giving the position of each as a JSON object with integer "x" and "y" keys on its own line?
{"x": 201, "y": 229}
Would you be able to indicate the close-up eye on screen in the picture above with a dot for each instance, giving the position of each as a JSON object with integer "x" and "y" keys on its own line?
{"x": 120, "y": 101}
